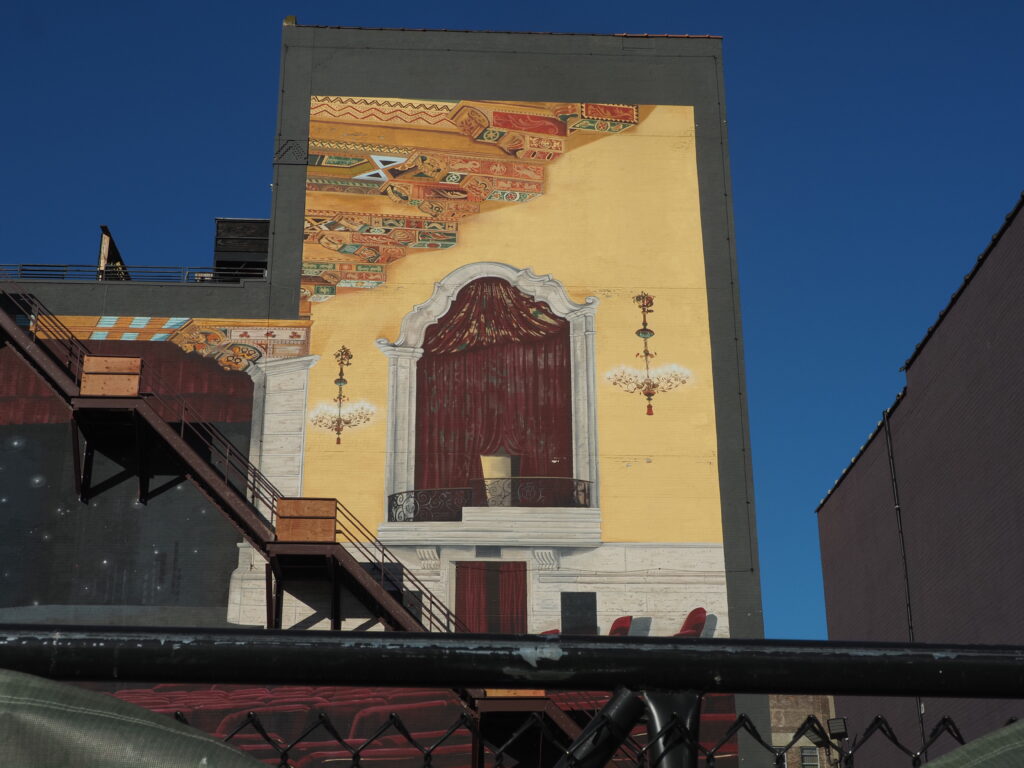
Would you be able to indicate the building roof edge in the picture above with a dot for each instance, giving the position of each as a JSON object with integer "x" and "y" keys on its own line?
{"x": 967, "y": 279}
{"x": 856, "y": 458}
{"x": 498, "y": 31}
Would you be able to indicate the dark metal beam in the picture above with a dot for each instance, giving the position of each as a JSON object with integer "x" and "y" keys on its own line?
{"x": 141, "y": 458}
{"x": 85, "y": 481}
{"x": 527, "y": 661}
{"x": 76, "y": 457}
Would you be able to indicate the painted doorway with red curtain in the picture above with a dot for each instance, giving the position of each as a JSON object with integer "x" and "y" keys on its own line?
{"x": 491, "y": 596}
{"x": 495, "y": 378}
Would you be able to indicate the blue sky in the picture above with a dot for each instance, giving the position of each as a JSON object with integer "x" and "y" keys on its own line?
{"x": 875, "y": 149}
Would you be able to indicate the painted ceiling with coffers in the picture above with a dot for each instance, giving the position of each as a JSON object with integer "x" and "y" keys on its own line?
{"x": 390, "y": 177}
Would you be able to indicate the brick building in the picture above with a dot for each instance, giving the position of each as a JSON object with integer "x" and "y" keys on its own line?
{"x": 955, "y": 432}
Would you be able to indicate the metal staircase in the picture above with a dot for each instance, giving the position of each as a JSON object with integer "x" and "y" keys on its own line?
{"x": 359, "y": 563}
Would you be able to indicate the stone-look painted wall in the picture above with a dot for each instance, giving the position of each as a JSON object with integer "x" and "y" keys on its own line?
{"x": 657, "y": 584}
{"x": 955, "y": 432}
{"x": 279, "y": 420}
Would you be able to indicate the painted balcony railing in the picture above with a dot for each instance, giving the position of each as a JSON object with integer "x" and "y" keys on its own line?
{"x": 445, "y": 504}
{"x": 142, "y": 274}
{"x": 429, "y": 505}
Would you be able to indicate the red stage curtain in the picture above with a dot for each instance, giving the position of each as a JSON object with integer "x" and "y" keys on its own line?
{"x": 471, "y": 595}
{"x": 491, "y": 596}
{"x": 495, "y": 375}
{"x": 512, "y": 597}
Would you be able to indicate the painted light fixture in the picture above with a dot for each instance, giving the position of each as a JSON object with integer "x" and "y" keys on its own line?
{"x": 649, "y": 381}
{"x": 343, "y": 414}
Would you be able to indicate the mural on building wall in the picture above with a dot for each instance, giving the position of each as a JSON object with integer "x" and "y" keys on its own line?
{"x": 450, "y": 160}
{"x": 485, "y": 261}
{"x": 477, "y": 408}
{"x": 469, "y": 352}
{"x": 236, "y": 344}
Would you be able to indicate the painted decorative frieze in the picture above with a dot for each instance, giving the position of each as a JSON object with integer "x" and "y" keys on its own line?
{"x": 456, "y": 159}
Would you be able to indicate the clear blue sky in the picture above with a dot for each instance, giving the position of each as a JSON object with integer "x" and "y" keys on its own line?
{"x": 875, "y": 147}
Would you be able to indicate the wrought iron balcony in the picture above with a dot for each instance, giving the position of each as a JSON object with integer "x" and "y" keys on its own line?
{"x": 445, "y": 504}
{"x": 429, "y": 505}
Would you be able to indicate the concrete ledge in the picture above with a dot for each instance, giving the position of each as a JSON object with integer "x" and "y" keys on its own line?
{"x": 509, "y": 526}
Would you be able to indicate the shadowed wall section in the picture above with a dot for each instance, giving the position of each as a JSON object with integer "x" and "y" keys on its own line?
{"x": 112, "y": 560}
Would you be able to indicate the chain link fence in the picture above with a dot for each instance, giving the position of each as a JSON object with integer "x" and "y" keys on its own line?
{"x": 414, "y": 728}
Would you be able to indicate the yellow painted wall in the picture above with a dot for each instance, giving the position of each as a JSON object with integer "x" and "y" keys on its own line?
{"x": 619, "y": 215}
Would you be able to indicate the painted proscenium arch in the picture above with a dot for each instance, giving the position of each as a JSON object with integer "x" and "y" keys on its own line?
{"x": 403, "y": 354}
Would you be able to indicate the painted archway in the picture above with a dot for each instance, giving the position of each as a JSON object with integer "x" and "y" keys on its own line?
{"x": 404, "y": 354}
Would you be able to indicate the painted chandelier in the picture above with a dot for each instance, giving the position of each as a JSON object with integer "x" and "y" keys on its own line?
{"x": 342, "y": 414}
{"x": 649, "y": 381}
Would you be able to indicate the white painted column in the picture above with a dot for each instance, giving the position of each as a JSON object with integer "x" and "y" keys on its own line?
{"x": 280, "y": 390}
{"x": 400, "y": 460}
{"x": 584, "y": 396}
{"x": 276, "y": 448}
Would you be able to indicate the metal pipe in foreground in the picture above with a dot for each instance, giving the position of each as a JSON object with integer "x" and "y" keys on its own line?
{"x": 510, "y": 661}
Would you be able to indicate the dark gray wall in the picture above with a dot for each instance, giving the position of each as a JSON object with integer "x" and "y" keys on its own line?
{"x": 957, "y": 437}
{"x": 110, "y": 560}
{"x": 257, "y": 299}
{"x": 535, "y": 67}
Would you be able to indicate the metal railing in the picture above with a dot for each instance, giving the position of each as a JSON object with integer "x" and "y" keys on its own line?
{"x": 394, "y": 577}
{"x": 322, "y": 741}
{"x": 429, "y": 505}
{"x": 446, "y": 504}
{"x": 530, "y": 492}
{"x": 61, "y": 345}
{"x": 644, "y": 668}
{"x": 51, "y": 335}
{"x": 142, "y": 273}
{"x": 221, "y": 454}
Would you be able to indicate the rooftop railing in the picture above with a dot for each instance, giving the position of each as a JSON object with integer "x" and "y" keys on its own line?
{"x": 140, "y": 274}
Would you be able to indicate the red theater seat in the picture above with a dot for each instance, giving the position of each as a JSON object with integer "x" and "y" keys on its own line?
{"x": 181, "y": 687}
{"x": 406, "y": 696}
{"x": 289, "y": 720}
{"x": 206, "y": 717}
{"x": 694, "y": 623}
{"x": 341, "y": 713}
{"x": 262, "y": 751}
{"x": 620, "y": 627}
{"x": 421, "y": 716}
{"x": 579, "y": 700}
{"x": 456, "y": 756}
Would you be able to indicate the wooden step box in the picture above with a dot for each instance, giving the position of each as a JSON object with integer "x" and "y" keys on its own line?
{"x": 306, "y": 519}
{"x": 110, "y": 376}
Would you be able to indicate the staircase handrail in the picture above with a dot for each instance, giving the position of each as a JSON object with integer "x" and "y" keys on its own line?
{"x": 233, "y": 464}
{"x": 435, "y": 615}
{"x": 257, "y": 489}
{"x": 72, "y": 351}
